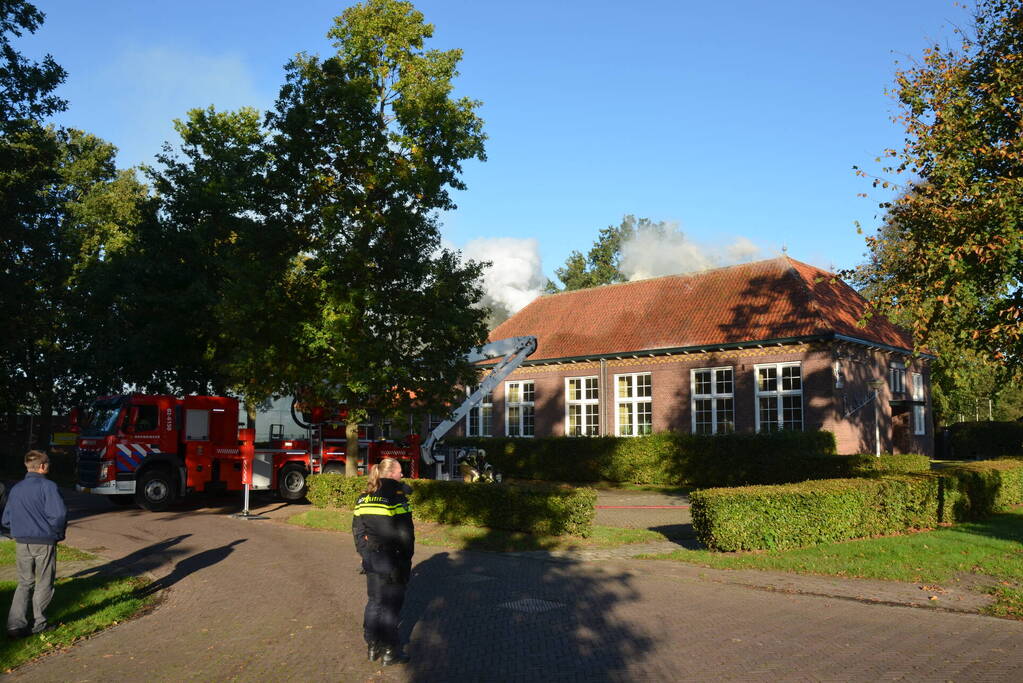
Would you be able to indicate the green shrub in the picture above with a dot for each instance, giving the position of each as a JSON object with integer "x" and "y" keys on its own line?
{"x": 540, "y": 509}
{"x": 812, "y": 512}
{"x": 873, "y": 466}
{"x": 334, "y": 490}
{"x": 974, "y": 440}
{"x": 667, "y": 458}
{"x": 977, "y": 490}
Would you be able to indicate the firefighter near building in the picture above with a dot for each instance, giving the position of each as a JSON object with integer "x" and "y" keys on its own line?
{"x": 154, "y": 449}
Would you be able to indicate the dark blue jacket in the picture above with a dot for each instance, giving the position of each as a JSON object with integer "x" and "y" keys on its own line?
{"x": 35, "y": 512}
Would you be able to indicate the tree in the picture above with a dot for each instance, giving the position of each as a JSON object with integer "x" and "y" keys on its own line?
{"x": 25, "y": 87}
{"x": 950, "y": 256}
{"x": 602, "y": 264}
{"x": 216, "y": 306}
{"x": 61, "y": 292}
{"x": 367, "y": 144}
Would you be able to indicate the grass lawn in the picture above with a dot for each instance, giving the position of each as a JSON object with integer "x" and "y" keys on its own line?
{"x": 80, "y": 607}
{"x": 476, "y": 538}
{"x": 988, "y": 553}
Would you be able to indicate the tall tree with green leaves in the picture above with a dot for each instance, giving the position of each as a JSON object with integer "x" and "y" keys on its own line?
{"x": 215, "y": 285}
{"x": 602, "y": 264}
{"x": 368, "y": 144}
{"x": 63, "y": 278}
{"x": 950, "y": 257}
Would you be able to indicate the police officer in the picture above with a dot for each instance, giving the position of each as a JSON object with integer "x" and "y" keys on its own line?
{"x": 385, "y": 539}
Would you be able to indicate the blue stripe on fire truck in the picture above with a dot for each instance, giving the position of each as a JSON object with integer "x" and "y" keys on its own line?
{"x": 130, "y": 456}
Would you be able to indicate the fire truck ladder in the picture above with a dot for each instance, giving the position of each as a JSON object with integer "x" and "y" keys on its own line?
{"x": 315, "y": 448}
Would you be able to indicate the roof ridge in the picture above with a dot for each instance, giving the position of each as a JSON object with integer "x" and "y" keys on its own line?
{"x": 692, "y": 273}
{"x": 810, "y": 296}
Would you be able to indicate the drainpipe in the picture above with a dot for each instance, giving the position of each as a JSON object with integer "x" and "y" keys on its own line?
{"x": 876, "y": 385}
{"x": 604, "y": 389}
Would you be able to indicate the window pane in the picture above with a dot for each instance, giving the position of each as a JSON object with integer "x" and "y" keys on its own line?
{"x": 514, "y": 395}
{"x": 701, "y": 380}
{"x": 723, "y": 381}
{"x": 704, "y": 416}
{"x": 790, "y": 379}
{"x": 644, "y": 418}
{"x": 574, "y": 420}
{"x": 725, "y": 423}
{"x": 574, "y": 390}
{"x": 767, "y": 379}
{"x": 625, "y": 419}
{"x": 592, "y": 391}
{"x": 485, "y": 420}
{"x": 643, "y": 385}
{"x": 919, "y": 415}
{"x": 624, "y": 387}
{"x": 527, "y": 392}
{"x": 514, "y": 418}
{"x": 527, "y": 420}
{"x": 792, "y": 412}
{"x": 474, "y": 422}
{"x": 768, "y": 414}
{"x": 592, "y": 420}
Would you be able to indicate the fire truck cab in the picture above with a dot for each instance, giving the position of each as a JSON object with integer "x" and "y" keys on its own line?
{"x": 151, "y": 449}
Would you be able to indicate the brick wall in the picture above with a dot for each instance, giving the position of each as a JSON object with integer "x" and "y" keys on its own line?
{"x": 825, "y": 400}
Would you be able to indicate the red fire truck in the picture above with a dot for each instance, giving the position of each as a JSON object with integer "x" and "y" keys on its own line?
{"x": 153, "y": 449}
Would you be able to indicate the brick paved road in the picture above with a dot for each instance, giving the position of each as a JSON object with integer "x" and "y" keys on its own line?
{"x": 261, "y": 601}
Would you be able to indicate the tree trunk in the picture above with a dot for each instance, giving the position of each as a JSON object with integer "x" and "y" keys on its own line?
{"x": 352, "y": 445}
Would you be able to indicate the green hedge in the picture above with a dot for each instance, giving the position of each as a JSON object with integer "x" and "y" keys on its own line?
{"x": 673, "y": 459}
{"x": 974, "y": 440}
{"x": 540, "y": 509}
{"x": 813, "y": 512}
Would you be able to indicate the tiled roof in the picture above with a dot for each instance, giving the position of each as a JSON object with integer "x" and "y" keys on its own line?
{"x": 766, "y": 300}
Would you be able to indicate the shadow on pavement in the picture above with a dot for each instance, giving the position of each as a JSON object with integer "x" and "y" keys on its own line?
{"x": 140, "y": 561}
{"x": 476, "y": 616}
{"x": 190, "y": 565}
{"x": 680, "y": 534}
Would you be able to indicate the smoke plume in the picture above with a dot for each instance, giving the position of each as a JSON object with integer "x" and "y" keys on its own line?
{"x": 663, "y": 249}
{"x": 515, "y": 276}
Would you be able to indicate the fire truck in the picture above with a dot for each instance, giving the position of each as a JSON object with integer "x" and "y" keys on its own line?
{"x": 153, "y": 449}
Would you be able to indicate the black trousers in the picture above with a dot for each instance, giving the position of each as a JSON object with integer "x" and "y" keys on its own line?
{"x": 380, "y": 621}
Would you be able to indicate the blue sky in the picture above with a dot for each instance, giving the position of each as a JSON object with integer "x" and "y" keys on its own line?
{"x": 732, "y": 120}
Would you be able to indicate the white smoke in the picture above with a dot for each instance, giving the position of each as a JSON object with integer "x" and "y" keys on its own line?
{"x": 515, "y": 276}
{"x": 663, "y": 249}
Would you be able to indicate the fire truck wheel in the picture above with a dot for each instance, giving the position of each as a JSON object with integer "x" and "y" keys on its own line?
{"x": 291, "y": 482}
{"x": 334, "y": 468}
{"x": 155, "y": 490}
{"x": 123, "y": 500}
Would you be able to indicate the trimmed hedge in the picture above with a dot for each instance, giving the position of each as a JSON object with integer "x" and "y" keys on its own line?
{"x": 974, "y": 440}
{"x": 813, "y": 512}
{"x": 539, "y": 509}
{"x": 672, "y": 459}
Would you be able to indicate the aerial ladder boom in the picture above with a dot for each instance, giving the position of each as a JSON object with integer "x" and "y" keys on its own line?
{"x": 512, "y": 352}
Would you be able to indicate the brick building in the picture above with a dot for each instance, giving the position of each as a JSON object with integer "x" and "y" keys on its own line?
{"x": 762, "y": 346}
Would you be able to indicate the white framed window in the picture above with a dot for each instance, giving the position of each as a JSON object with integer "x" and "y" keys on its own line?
{"x": 897, "y": 378}
{"x": 713, "y": 400}
{"x": 634, "y": 404}
{"x": 779, "y": 394}
{"x": 518, "y": 408}
{"x": 481, "y": 416}
{"x": 919, "y": 411}
{"x": 582, "y": 406}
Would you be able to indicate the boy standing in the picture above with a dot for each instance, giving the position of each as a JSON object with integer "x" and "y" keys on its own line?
{"x": 36, "y": 518}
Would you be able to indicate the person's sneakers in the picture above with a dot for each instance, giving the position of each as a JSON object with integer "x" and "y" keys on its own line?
{"x": 394, "y": 655}
{"x": 44, "y": 629}
{"x": 17, "y": 633}
{"x": 374, "y": 651}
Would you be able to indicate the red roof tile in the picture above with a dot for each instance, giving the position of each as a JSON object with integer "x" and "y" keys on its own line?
{"x": 775, "y": 299}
